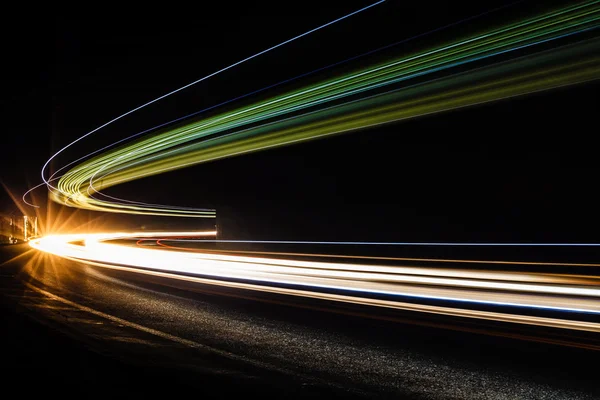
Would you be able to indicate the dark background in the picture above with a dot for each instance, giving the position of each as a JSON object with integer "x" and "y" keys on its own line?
{"x": 517, "y": 170}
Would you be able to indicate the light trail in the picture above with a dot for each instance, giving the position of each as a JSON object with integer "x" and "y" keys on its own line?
{"x": 47, "y": 163}
{"x": 412, "y": 86}
{"x": 470, "y": 293}
{"x": 55, "y": 176}
{"x": 467, "y": 244}
{"x": 364, "y": 257}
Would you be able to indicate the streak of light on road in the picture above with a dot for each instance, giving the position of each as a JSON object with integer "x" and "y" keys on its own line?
{"x": 497, "y": 295}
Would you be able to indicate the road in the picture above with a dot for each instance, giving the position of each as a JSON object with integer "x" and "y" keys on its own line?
{"x": 138, "y": 333}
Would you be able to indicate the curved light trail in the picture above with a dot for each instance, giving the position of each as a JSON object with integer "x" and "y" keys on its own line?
{"x": 506, "y": 296}
{"x": 47, "y": 163}
{"x": 428, "y": 82}
{"x": 55, "y": 176}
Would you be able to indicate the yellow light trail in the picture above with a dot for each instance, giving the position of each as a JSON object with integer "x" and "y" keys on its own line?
{"x": 403, "y": 287}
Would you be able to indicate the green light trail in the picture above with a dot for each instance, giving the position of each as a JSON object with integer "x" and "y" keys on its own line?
{"x": 480, "y": 69}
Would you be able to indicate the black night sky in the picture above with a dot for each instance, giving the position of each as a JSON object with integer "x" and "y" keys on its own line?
{"x": 518, "y": 170}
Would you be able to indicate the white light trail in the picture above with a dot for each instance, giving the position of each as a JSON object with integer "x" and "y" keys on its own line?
{"x": 491, "y": 244}
{"x": 339, "y": 281}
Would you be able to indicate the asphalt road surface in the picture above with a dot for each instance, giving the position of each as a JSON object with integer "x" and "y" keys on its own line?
{"x": 76, "y": 330}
